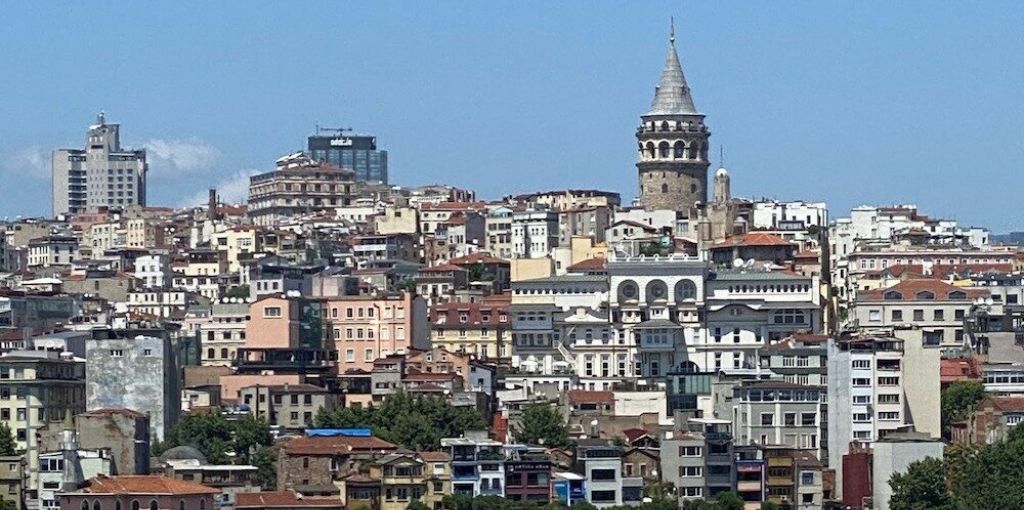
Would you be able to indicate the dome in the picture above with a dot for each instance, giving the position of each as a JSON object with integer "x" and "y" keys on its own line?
{"x": 183, "y": 453}
{"x": 721, "y": 172}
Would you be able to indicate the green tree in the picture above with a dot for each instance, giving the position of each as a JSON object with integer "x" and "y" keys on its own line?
{"x": 208, "y": 432}
{"x": 248, "y": 433}
{"x": 265, "y": 459}
{"x": 543, "y": 424}
{"x": 991, "y": 478}
{"x": 729, "y": 500}
{"x": 415, "y": 422}
{"x": 922, "y": 487}
{"x": 238, "y": 291}
{"x": 651, "y": 249}
{"x": 959, "y": 400}
{"x": 8, "y": 446}
{"x": 8, "y": 505}
{"x": 769, "y": 505}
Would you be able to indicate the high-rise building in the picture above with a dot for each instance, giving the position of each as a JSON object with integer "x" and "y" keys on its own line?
{"x": 103, "y": 174}
{"x": 672, "y": 144}
{"x": 353, "y": 152}
{"x": 298, "y": 186}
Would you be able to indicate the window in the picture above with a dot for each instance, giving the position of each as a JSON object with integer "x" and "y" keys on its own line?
{"x": 874, "y": 315}
{"x": 767, "y": 419}
{"x": 862, "y": 363}
{"x": 689, "y": 451}
{"x": 271, "y": 311}
{"x": 368, "y": 355}
{"x": 690, "y": 471}
{"x": 790, "y": 419}
{"x": 602, "y": 474}
{"x": 918, "y": 315}
{"x": 939, "y": 315}
{"x": 350, "y": 355}
{"x": 807, "y": 419}
{"x": 959, "y": 314}
{"x": 889, "y": 416}
{"x": 897, "y": 315}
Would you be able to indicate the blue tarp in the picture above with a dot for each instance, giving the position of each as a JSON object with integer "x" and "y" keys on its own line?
{"x": 339, "y": 432}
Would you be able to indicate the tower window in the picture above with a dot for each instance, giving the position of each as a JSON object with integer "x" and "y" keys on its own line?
{"x": 693, "y": 188}
{"x": 679, "y": 150}
{"x": 664, "y": 188}
{"x": 663, "y": 149}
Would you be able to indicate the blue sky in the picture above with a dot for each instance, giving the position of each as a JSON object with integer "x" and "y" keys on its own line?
{"x": 866, "y": 102}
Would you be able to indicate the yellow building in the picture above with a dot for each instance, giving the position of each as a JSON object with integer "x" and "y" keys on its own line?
{"x": 38, "y": 389}
{"x": 480, "y": 328}
{"x": 236, "y": 242}
{"x": 406, "y": 477}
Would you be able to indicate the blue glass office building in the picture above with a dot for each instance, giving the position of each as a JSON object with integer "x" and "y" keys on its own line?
{"x": 355, "y": 152}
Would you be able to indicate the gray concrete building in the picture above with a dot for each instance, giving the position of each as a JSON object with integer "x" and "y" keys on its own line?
{"x": 698, "y": 458}
{"x": 779, "y": 413}
{"x": 103, "y": 174}
{"x": 133, "y": 369}
{"x": 289, "y": 406}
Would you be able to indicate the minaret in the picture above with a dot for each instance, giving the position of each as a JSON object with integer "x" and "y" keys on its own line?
{"x": 672, "y": 143}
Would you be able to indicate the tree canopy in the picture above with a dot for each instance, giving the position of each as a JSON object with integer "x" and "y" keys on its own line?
{"x": 922, "y": 487}
{"x": 544, "y": 425}
{"x": 414, "y": 422}
{"x": 7, "y": 444}
{"x": 220, "y": 440}
{"x": 959, "y": 399}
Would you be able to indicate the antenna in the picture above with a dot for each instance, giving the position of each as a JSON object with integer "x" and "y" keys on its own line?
{"x": 721, "y": 156}
{"x": 672, "y": 30}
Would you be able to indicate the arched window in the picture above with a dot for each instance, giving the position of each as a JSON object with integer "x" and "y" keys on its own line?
{"x": 656, "y": 290}
{"x": 664, "y": 125}
{"x": 96, "y": 505}
{"x": 892, "y": 294}
{"x": 210, "y": 353}
{"x": 629, "y": 291}
{"x": 117, "y": 505}
{"x": 135, "y": 504}
{"x": 153, "y": 505}
{"x": 181, "y": 504}
{"x": 664, "y": 188}
{"x": 679, "y": 150}
{"x": 925, "y": 294}
{"x": 694, "y": 188}
{"x": 650, "y": 150}
{"x": 663, "y": 150}
{"x": 202, "y": 504}
{"x": 958, "y": 294}
{"x": 85, "y": 504}
{"x": 224, "y": 353}
{"x": 686, "y": 290}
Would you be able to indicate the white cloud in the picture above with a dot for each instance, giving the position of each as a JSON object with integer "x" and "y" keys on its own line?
{"x": 186, "y": 155}
{"x": 233, "y": 189}
{"x": 31, "y": 161}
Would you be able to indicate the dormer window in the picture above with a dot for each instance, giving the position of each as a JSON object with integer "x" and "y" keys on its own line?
{"x": 892, "y": 294}
{"x": 925, "y": 294}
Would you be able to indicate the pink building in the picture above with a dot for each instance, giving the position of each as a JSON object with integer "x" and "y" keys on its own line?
{"x": 367, "y": 327}
{"x": 139, "y": 492}
{"x": 355, "y": 330}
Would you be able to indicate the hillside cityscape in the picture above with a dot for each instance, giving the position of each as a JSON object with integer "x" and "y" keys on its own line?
{"x": 343, "y": 339}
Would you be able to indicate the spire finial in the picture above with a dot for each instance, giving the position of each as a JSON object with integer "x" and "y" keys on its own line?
{"x": 672, "y": 30}
{"x": 721, "y": 156}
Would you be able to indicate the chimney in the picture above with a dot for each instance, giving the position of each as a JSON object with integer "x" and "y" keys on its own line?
{"x": 211, "y": 210}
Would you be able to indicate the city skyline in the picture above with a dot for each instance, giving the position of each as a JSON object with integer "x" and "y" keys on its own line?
{"x": 557, "y": 93}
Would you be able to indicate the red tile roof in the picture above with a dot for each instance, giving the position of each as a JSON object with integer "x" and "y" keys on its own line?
{"x": 480, "y": 257}
{"x": 454, "y": 206}
{"x": 144, "y": 484}
{"x": 909, "y": 290}
{"x": 592, "y": 264}
{"x": 591, "y": 397}
{"x": 281, "y": 499}
{"x": 959, "y": 369}
{"x": 753, "y": 239}
{"x": 435, "y": 456}
{"x": 442, "y": 268}
{"x": 335, "y": 445}
{"x": 475, "y": 312}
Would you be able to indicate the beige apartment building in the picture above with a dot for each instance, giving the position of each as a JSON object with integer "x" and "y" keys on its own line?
{"x": 298, "y": 185}
{"x": 937, "y": 308}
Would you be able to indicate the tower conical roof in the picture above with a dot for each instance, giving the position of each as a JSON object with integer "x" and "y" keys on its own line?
{"x": 672, "y": 96}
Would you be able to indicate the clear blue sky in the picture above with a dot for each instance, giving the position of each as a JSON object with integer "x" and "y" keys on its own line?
{"x": 865, "y": 102}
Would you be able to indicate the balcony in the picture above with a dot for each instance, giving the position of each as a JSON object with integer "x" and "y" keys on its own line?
{"x": 780, "y": 480}
{"x": 780, "y": 462}
{"x": 754, "y": 486}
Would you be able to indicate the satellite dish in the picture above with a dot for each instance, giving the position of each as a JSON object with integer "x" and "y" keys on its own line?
{"x": 738, "y": 263}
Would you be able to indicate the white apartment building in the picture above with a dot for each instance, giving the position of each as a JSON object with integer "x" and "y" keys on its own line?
{"x": 154, "y": 271}
{"x": 52, "y": 251}
{"x": 534, "y": 234}
{"x": 878, "y": 383}
{"x": 160, "y": 303}
{"x": 774, "y": 215}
